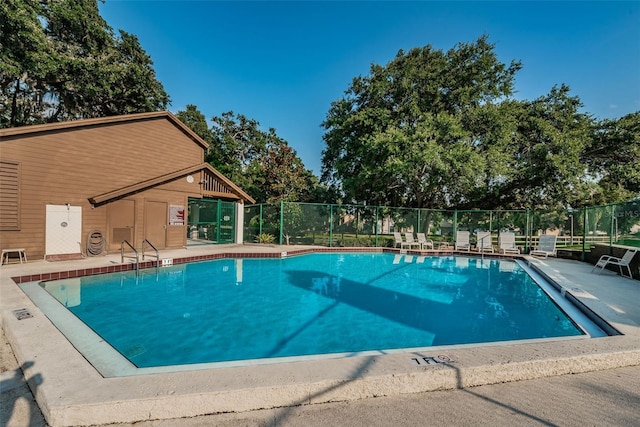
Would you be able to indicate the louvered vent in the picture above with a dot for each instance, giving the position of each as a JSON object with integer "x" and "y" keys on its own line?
{"x": 9, "y": 196}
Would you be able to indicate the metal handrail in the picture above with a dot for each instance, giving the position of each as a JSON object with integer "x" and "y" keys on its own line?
{"x": 482, "y": 245}
{"x": 154, "y": 248}
{"x": 122, "y": 256}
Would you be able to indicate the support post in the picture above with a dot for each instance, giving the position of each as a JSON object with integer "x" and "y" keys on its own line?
{"x": 281, "y": 220}
{"x": 584, "y": 234}
{"x": 330, "y": 225}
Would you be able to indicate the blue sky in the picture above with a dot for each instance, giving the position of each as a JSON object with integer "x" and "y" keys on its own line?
{"x": 283, "y": 63}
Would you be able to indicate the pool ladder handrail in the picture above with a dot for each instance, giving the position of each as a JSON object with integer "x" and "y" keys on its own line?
{"x": 136, "y": 257}
{"x": 482, "y": 245}
{"x": 157, "y": 255}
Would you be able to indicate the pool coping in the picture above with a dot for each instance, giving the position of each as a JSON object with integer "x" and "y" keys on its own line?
{"x": 71, "y": 392}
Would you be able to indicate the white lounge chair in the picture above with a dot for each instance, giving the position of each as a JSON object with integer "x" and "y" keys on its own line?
{"x": 424, "y": 242}
{"x": 546, "y": 246}
{"x": 398, "y": 237}
{"x": 507, "y": 243}
{"x": 410, "y": 241}
{"x": 484, "y": 243}
{"x": 462, "y": 241}
{"x": 402, "y": 242}
{"x": 620, "y": 262}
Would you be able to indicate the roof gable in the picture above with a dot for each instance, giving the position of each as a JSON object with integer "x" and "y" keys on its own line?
{"x": 101, "y": 121}
{"x": 214, "y": 184}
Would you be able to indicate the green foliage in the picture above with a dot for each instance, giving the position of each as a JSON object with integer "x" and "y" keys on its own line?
{"x": 439, "y": 130}
{"x": 195, "y": 120}
{"x": 61, "y": 61}
{"x": 543, "y": 165}
{"x": 398, "y": 137}
{"x": 259, "y": 162}
{"x": 613, "y": 156}
{"x": 265, "y": 238}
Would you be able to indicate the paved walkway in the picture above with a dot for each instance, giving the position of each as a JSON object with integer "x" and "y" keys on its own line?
{"x": 608, "y": 397}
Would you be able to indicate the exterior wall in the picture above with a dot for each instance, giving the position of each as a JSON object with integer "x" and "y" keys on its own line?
{"x": 31, "y": 236}
{"x": 71, "y": 165}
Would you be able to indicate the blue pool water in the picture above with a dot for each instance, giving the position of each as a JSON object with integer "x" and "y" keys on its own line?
{"x": 229, "y": 310}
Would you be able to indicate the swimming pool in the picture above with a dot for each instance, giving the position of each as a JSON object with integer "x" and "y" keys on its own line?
{"x": 339, "y": 304}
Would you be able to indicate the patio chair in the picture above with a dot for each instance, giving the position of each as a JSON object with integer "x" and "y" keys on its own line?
{"x": 507, "y": 243}
{"x": 462, "y": 241}
{"x": 424, "y": 242}
{"x": 620, "y": 262}
{"x": 410, "y": 241}
{"x": 398, "y": 239}
{"x": 484, "y": 243}
{"x": 402, "y": 242}
{"x": 546, "y": 246}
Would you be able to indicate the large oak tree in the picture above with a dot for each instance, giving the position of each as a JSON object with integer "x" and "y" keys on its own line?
{"x": 398, "y": 135}
{"x": 59, "y": 60}
{"x": 435, "y": 129}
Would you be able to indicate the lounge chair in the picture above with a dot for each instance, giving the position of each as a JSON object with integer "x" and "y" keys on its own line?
{"x": 546, "y": 246}
{"x": 620, "y": 262}
{"x": 410, "y": 241}
{"x": 404, "y": 243}
{"x": 462, "y": 241}
{"x": 424, "y": 242}
{"x": 484, "y": 243}
{"x": 398, "y": 237}
{"x": 507, "y": 243}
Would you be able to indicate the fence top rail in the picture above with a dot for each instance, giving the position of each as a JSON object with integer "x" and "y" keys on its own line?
{"x": 532, "y": 211}
{"x": 343, "y": 205}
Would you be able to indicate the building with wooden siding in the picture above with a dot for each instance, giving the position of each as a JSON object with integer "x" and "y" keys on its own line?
{"x": 73, "y": 188}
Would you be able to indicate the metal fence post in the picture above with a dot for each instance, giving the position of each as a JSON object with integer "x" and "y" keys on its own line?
{"x": 455, "y": 225}
{"x": 281, "y": 220}
{"x": 613, "y": 210}
{"x": 584, "y": 234}
{"x": 218, "y": 217}
{"x": 330, "y": 225}
{"x": 527, "y": 234}
{"x": 377, "y": 208}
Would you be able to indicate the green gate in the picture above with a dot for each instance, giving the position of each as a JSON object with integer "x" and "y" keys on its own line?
{"x": 211, "y": 221}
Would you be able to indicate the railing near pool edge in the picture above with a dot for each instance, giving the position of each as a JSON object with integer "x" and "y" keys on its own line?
{"x": 360, "y": 225}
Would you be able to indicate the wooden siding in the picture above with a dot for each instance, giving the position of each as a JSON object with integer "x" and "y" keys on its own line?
{"x": 71, "y": 165}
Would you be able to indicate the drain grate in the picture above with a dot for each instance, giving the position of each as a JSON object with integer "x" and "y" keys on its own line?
{"x": 134, "y": 351}
{"x": 22, "y": 313}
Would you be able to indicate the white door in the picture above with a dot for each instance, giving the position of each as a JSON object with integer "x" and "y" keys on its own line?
{"x": 63, "y": 230}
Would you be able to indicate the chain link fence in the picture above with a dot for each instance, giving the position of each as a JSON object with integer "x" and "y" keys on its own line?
{"x": 336, "y": 225}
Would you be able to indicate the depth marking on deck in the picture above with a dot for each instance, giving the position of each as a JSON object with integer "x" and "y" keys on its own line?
{"x": 432, "y": 360}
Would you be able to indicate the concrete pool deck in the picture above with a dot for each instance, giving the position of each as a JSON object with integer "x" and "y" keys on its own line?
{"x": 70, "y": 392}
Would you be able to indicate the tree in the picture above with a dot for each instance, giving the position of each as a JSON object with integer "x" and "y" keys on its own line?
{"x": 237, "y": 145}
{"x": 398, "y": 137}
{"x": 284, "y": 177}
{"x": 195, "y": 120}
{"x": 539, "y": 156}
{"x": 261, "y": 163}
{"x": 613, "y": 157}
{"x": 61, "y": 61}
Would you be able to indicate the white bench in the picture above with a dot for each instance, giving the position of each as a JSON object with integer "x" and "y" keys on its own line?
{"x": 20, "y": 251}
